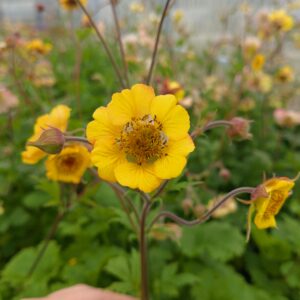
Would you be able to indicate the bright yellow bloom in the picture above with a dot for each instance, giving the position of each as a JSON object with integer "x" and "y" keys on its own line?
{"x": 37, "y": 46}
{"x": 258, "y": 62}
{"x": 285, "y": 74}
{"x": 280, "y": 20}
{"x": 140, "y": 139}
{"x": 267, "y": 206}
{"x": 58, "y": 118}
{"x": 69, "y": 165}
{"x": 71, "y": 4}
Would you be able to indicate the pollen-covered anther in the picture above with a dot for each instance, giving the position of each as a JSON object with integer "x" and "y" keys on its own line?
{"x": 143, "y": 140}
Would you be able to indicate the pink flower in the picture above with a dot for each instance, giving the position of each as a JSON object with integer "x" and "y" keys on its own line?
{"x": 7, "y": 100}
{"x": 286, "y": 118}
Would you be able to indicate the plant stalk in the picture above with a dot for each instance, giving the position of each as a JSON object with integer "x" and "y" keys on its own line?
{"x": 48, "y": 238}
{"x": 143, "y": 252}
{"x": 207, "y": 215}
{"x": 154, "y": 54}
{"x": 104, "y": 44}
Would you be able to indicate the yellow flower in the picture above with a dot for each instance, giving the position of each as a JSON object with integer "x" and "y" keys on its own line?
{"x": 140, "y": 139}
{"x": 137, "y": 7}
{"x": 58, "y": 118}
{"x": 177, "y": 16}
{"x": 269, "y": 204}
{"x": 258, "y": 62}
{"x": 69, "y": 165}
{"x": 251, "y": 46}
{"x": 37, "y": 46}
{"x": 71, "y": 4}
{"x": 174, "y": 88}
{"x": 285, "y": 74}
{"x": 280, "y": 20}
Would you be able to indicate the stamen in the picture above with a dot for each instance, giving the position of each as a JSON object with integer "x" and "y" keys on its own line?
{"x": 143, "y": 140}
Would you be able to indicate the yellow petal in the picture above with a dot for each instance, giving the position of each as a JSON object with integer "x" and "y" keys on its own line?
{"x": 59, "y": 117}
{"x": 133, "y": 103}
{"x": 32, "y": 155}
{"x": 137, "y": 176}
{"x": 101, "y": 126}
{"x": 172, "y": 164}
{"x": 263, "y": 221}
{"x": 106, "y": 156}
{"x": 69, "y": 165}
{"x": 279, "y": 183}
{"x": 174, "y": 118}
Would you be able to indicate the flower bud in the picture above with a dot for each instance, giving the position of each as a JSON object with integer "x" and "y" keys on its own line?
{"x": 187, "y": 205}
{"x": 225, "y": 174}
{"x": 199, "y": 210}
{"x": 239, "y": 128}
{"x": 51, "y": 141}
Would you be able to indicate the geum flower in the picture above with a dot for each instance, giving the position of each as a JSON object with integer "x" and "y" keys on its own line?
{"x": 140, "y": 139}
{"x": 269, "y": 199}
{"x": 57, "y": 118}
{"x": 69, "y": 165}
{"x": 37, "y": 46}
{"x": 71, "y": 4}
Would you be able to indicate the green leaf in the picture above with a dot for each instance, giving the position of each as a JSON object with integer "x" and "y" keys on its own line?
{"x": 220, "y": 282}
{"x": 218, "y": 240}
{"x": 126, "y": 269}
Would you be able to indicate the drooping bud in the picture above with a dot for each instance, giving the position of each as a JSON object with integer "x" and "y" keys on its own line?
{"x": 187, "y": 205}
{"x": 240, "y": 128}
{"x": 51, "y": 141}
{"x": 225, "y": 173}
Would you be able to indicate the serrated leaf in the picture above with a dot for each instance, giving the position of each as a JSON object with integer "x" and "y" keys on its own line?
{"x": 126, "y": 268}
{"x": 218, "y": 240}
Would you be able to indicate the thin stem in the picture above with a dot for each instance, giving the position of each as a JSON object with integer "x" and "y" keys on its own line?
{"x": 160, "y": 189}
{"x": 116, "y": 20}
{"x": 210, "y": 125}
{"x": 120, "y": 192}
{"x": 77, "y": 67}
{"x": 18, "y": 83}
{"x": 207, "y": 215}
{"x": 48, "y": 238}
{"x": 121, "y": 198}
{"x": 154, "y": 54}
{"x": 143, "y": 252}
{"x": 102, "y": 40}
{"x": 77, "y": 139}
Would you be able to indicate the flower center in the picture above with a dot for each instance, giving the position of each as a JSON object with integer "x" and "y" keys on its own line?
{"x": 143, "y": 140}
{"x": 68, "y": 163}
{"x": 72, "y": 3}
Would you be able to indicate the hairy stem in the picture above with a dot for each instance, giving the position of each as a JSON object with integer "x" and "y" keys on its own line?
{"x": 207, "y": 215}
{"x": 119, "y": 38}
{"x": 104, "y": 44}
{"x": 210, "y": 125}
{"x": 143, "y": 252}
{"x": 48, "y": 238}
{"x": 154, "y": 54}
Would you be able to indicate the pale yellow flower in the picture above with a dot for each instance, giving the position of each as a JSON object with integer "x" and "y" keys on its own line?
{"x": 285, "y": 74}
{"x": 37, "y": 46}
{"x": 258, "y": 62}
{"x": 281, "y": 21}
